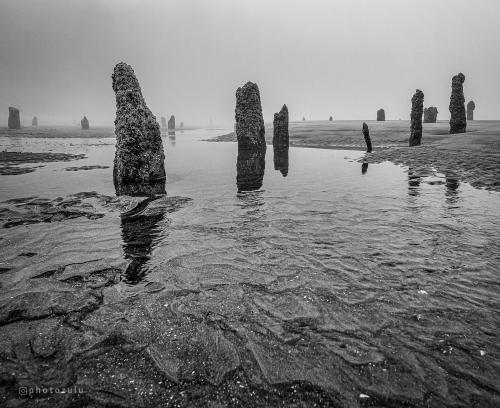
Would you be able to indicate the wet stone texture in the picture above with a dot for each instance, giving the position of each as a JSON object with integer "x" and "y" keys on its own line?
{"x": 470, "y": 110}
{"x": 139, "y": 157}
{"x": 430, "y": 114}
{"x": 381, "y": 115}
{"x": 250, "y": 130}
{"x": 14, "y": 122}
{"x": 417, "y": 107}
{"x": 458, "y": 122}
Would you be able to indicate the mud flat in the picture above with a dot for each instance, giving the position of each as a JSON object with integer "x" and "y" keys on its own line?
{"x": 473, "y": 156}
{"x": 11, "y": 163}
{"x": 59, "y": 131}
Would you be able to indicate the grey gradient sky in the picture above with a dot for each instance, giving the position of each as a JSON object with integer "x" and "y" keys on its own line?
{"x": 321, "y": 57}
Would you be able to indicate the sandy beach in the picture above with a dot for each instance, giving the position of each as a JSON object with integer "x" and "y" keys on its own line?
{"x": 473, "y": 157}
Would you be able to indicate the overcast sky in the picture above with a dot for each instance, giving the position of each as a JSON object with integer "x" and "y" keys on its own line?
{"x": 321, "y": 57}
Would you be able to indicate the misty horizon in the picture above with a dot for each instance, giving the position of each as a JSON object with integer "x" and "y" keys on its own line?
{"x": 344, "y": 59}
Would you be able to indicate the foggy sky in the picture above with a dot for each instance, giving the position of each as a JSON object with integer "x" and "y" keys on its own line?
{"x": 342, "y": 58}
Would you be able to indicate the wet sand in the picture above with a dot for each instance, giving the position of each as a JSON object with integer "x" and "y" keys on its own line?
{"x": 474, "y": 157}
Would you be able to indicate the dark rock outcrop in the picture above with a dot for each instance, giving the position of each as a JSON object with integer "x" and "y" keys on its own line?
{"x": 163, "y": 122}
{"x": 458, "y": 122}
{"x": 280, "y": 129}
{"x": 364, "y": 168}
{"x": 250, "y": 130}
{"x": 14, "y": 121}
{"x": 85, "y": 123}
{"x": 34, "y": 121}
{"x": 331, "y": 118}
{"x": 381, "y": 115}
{"x": 417, "y": 109}
{"x": 470, "y": 110}
{"x": 139, "y": 158}
{"x": 368, "y": 141}
{"x": 430, "y": 114}
{"x": 171, "y": 122}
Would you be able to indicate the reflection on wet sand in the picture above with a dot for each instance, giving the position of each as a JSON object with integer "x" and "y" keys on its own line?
{"x": 250, "y": 167}
{"x": 452, "y": 191}
{"x": 281, "y": 161}
{"x": 364, "y": 168}
{"x": 414, "y": 181}
{"x": 171, "y": 138}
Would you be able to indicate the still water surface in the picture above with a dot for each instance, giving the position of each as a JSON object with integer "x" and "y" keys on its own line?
{"x": 383, "y": 269}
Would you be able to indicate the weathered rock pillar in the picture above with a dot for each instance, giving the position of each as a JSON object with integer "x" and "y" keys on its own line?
{"x": 280, "y": 129}
{"x": 381, "y": 115}
{"x": 85, "y": 123}
{"x": 14, "y": 121}
{"x": 163, "y": 122}
{"x": 250, "y": 133}
{"x": 458, "y": 122}
{"x": 417, "y": 108}
{"x": 331, "y": 118}
{"x": 171, "y": 122}
{"x": 470, "y": 110}
{"x": 368, "y": 141}
{"x": 430, "y": 114}
{"x": 139, "y": 158}
{"x": 34, "y": 122}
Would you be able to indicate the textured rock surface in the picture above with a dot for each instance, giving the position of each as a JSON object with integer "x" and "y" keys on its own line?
{"x": 381, "y": 115}
{"x": 139, "y": 158}
{"x": 366, "y": 134}
{"x": 171, "y": 122}
{"x": 250, "y": 167}
{"x": 417, "y": 108}
{"x": 250, "y": 130}
{"x": 458, "y": 123}
{"x": 85, "y": 123}
{"x": 470, "y": 110}
{"x": 14, "y": 121}
{"x": 34, "y": 122}
{"x": 280, "y": 129}
{"x": 430, "y": 114}
{"x": 163, "y": 122}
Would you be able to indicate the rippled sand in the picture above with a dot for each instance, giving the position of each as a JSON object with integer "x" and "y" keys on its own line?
{"x": 341, "y": 284}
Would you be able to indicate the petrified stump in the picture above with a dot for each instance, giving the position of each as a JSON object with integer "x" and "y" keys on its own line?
{"x": 14, "y": 121}
{"x": 85, "y": 123}
{"x": 163, "y": 122}
{"x": 139, "y": 156}
{"x": 280, "y": 129}
{"x": 470, "y": 110}
{"x": 368, "y": 141}
{"x": 458, "y": 122}
{"x": 34, "y": 121}
{"x": 417, "y": 108}
{"x": 381, "y": 115}
{"x": 250, "y": 130}
{"x": 430, "y": 114}
{"x": 171, "y": 122}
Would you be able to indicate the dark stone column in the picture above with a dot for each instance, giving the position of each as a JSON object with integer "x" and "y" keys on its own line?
{"x": 430, "y": 114}
{"x": 14, "y": 121}
{"x": 139, "y": 158}
{"x": 34, "y": 122}
{"x": 417, "y": 108}
{"x": 171, "y": 122}
{"x": 85, "y": 123}
{"x": 470, "y": 110}
{"x": 163, "y": 122}
{"x": 458, "y": 123}
{"x": 381, "y": 115}
{"x": 280, "y": 129}
{"x": 366, "y": 134}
